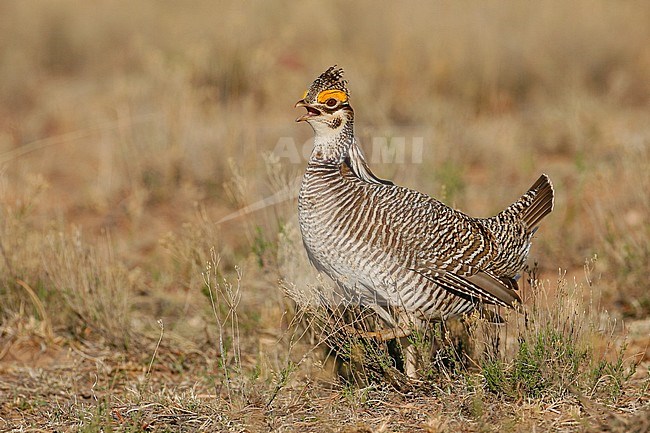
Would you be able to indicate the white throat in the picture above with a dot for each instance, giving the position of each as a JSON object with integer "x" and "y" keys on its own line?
{"x": 331, "y": 144}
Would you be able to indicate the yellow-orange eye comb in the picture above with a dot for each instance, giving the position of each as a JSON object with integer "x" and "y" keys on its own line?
{"x": 339, "y": 95}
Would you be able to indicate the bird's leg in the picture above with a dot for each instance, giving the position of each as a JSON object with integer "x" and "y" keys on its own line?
{"x": 410, "y": 358}
{"x": 393, "y": 331}
{"x": 409, "y": 350}
{"x": 410, "y": 347}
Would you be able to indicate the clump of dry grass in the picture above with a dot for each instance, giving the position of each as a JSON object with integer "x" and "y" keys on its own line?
{"x": 94, "y": 287}
{"x": 68, "y": 283}
{"x": 18, "y": 242}
{"x": 564, "y": 344}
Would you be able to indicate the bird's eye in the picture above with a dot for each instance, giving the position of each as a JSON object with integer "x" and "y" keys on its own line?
{"x": 330, "y": 102}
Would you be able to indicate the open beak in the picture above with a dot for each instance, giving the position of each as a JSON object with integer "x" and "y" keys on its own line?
{"x": 311, "y": 111}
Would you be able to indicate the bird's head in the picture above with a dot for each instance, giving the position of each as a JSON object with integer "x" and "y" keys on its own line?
{"x": 328, "y": 103}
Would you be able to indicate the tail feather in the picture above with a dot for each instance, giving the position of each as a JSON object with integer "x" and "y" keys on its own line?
{"x": 538, "y": 202}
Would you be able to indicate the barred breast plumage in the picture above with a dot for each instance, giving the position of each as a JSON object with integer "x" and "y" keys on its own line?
{"x": 392, "y": 247}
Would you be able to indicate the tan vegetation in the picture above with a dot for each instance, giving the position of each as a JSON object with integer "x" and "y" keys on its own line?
{"x": 129, "y": 131}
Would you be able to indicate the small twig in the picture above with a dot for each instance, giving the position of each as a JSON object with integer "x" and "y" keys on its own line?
{"x": 155, "y": 352}
{"x": 213, "y": 265}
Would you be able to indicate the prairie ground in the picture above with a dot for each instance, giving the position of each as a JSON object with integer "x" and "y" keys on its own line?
{"x": 148, "y": 237}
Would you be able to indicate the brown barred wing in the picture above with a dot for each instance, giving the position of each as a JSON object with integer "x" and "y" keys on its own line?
{"x": 456, "y": 256}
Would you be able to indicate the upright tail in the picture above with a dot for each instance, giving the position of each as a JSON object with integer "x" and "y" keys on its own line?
{"x": 535, "y": 204}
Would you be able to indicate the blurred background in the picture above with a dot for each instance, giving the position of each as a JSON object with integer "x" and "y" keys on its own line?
{"x": 133, "y": 128}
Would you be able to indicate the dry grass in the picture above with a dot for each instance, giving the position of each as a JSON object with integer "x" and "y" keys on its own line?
{"x": 128, "y": 131}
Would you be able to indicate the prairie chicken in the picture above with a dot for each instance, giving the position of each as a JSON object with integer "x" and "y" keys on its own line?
{"x": 395, "y": 249}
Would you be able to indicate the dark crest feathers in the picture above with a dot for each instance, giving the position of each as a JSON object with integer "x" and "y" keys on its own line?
{"x": 328, "y": 80}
